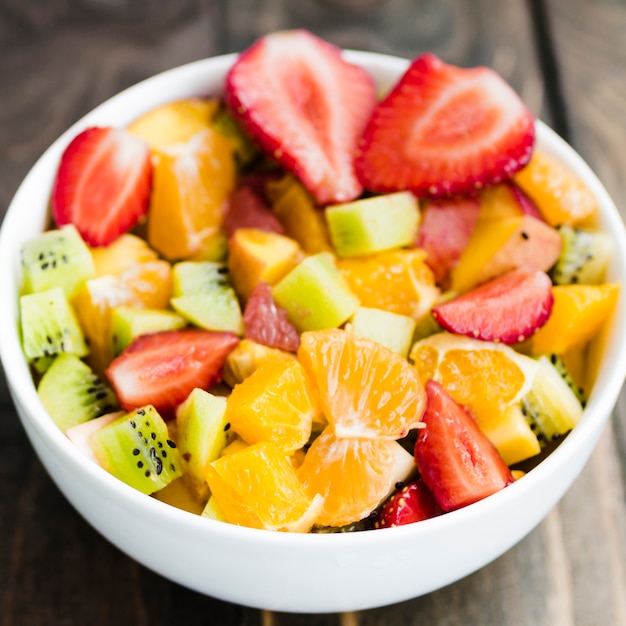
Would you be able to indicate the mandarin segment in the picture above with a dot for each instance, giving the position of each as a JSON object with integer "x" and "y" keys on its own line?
{"x": 257, "y": 486}
{"x": 398, "y": 281}
{"x": 366, "y": 390}
{"x": 276, "y": 403}
{"x": 353, "y": 475}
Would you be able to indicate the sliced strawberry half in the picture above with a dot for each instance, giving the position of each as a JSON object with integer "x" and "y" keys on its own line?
{"x": 411, "y": 503}
{"x": 248, "y": 209}
{"x": 306, "y": 107}
{"x": 508, "y": 309}
{"x": 163, "y": 368}
{"x": 445, "y": 231}
{"x": 445, "y": 130}
{"x": 455, "y": 459}
{"x": 103, "y": 184}
{"x": 265, "y": 322}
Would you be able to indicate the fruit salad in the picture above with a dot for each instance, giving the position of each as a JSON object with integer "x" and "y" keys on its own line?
{"x": 307, "y": 306}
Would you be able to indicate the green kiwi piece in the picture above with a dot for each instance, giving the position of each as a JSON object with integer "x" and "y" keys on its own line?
{"x": 57, "y": 258}
{"x": 584, "y": 257}
{"x": 201, "y": 432}
{"x": 202, "y": 294}
{"x": 559, "y": 364}
{"x": 550, "y": 406}
{"x": 389, "y": 329}
{"x": 128, "y": 323}
{"x": 212, "y": 510}
{"x": 49, "y": 325}
{"x": 72, "y": 393}
{"x": 373, "y": 224}
{"x": 136, "y": 448}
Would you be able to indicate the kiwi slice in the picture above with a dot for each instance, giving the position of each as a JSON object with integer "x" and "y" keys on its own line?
{"x": 584, "y": 257}
{"x": 128, "y": 323}
{"x": 72, "y": 393}
{"x": 136, "y": 448}
{"x": 389, "y": 329}
{"x": 201, "y": 433}
{"x": 550, "y": 407}
{"x": 203, "y": 295}
{"x": 49, "y": 325}
{"x": 57, "y": 258}
{"x": 373, "y": 224}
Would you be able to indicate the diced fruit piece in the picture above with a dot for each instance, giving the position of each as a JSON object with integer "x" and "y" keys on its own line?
{"x": 353, "y": 475}
{"x": 505, "y": 200}
{"x": 366, "y": 389}
{"x": 305, "y": 106}
{"x": 445, "y": 231}
{"x": 202, "y": 294}
{"x": 509, "y": 308}
{"x": 49, "y": 325}
{"x": 125, "y": 252}
{"x": 455, "y": 459}
{"x": 578, "y": 313}
{"x": 174, "y": 122}
{"x": 512, "y": 435}
{"x": 570, "y": 367}
{"x": 584, "y": 258}
{"x": 179, "y": 494}
{"x": 141, "y": 285}
{"x": 396, "y": 280}
{"x": 72, "y": 393}
{"x": 296, "y": 210}
{"x": 315, "y": 295}
{"x": 247, "y": 209}
{"x": 136, "y": 448}
{"x": 501, "y": 245}
{"x": 258, "y": 487}
{"x": 201, "y": 435}
{"x": 266, "y": 323}
{"x": 486, "y": 378}
{"x": 558, "y": 194}
{"x": 246, "y": 358}
{"x": 275, "y": 403}
{"x": 373, "y": 224}
{"x": 445, "y": 130}
{"x": 389, "y": 329}
{"x": 550, "y": 406}
{"x": 257, "y": 256}
{"x": 57, "y": 258}
{"x": 163, "y": 368}
{"x": 411, "y": 503}
{"x": 244, "y": 149}
{"x": 128, "y": 323}
{"x": 102, "y": 185}
{"x": 192, "y": 181}
{"x": 527, "y": 206}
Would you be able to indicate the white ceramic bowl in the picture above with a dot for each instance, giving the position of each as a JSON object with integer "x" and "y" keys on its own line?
{"x": 281, "y": 571}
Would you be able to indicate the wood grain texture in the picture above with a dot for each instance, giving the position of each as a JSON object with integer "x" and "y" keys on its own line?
{"x": 60, "y": 58}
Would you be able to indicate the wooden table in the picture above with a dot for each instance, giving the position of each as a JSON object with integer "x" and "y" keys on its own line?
{"x": 58, "y": 59}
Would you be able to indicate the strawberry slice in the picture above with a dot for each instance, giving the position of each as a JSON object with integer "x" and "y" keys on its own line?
{"x": 305, "y": 106}
{"x": 412, "y": 503}
{"x": 265, "y": 322}
{"x": 445, "y": 231}
{"x": 103, "y": 184}
{"x": 163, "y": 368}
{"x": 455, "y": 459}
{"x": 445, "y": 130}
{"x": 509, "y": 308}
{"x": 247, "y": 209}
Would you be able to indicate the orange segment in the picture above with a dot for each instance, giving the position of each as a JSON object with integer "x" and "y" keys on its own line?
{"x": 398, "y": 281}
{"x": 577, "y": 315}
{"x": 258, "y": 487}
{"x": 353, "y": 475}
{"x": 276, "y": 403}
{"x": 366, "y": 390}
{"x": 145, "y": 285}
{"x": 123, "y": 253}
{"x": 559, "y": 195}
{"x": 191, "y": 183}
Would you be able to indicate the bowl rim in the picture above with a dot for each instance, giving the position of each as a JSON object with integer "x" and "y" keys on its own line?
{"x": 597, "y": 411}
